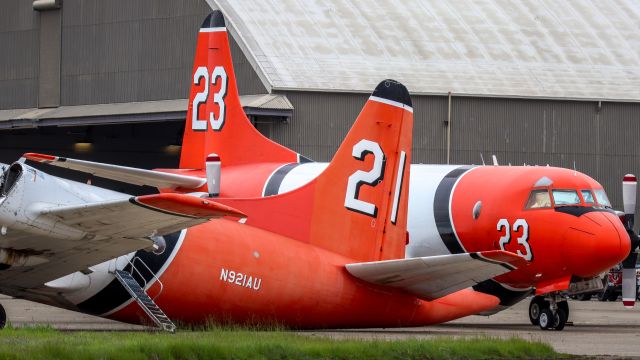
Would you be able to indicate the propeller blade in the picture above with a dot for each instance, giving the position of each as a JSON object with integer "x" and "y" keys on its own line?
{"x": 629, "y": 187}
{"x": 629, "y": 286}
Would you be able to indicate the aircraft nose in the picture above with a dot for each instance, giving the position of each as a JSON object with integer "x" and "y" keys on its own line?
{"x": 595, "y": 243}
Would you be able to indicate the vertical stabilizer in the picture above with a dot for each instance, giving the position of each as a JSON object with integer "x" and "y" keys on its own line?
{"x": 358, "y": 206}
{"x": 216, "y": 122}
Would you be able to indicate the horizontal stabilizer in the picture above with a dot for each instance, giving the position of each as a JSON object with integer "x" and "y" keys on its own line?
{"x": 433, "y": 277}
{"x": 125, "y": 174}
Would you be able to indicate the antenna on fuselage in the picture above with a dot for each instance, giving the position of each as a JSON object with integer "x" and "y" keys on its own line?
{"x": 495, "y": 160}
{"x": 575, "y": 173}
{"x": 482, "y": 158}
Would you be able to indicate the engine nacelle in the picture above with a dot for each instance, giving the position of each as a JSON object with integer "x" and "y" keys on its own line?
{"x": 27, "y": 193}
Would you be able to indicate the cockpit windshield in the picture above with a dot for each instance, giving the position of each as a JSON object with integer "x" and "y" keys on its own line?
{"x": 587, "y": 195}
{"x": 602, "y": 198}
{"x": 541, "y": 198}
{"x": 565, "y": 197}
{"x": 538, "y": 199}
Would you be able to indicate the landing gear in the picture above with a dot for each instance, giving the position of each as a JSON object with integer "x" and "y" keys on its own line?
{"x": 538, "y": 303}
{"x": 548, "y": 313}
{"x": 583, "y": 297}
{"x": 545, "y": 319}
{"x": 3, "y": 317}
{"x": 564, "y": 306}
{"x": 552, "y": 321}
{"x": 608, "y": 295}
{"x": 561, "y": 320}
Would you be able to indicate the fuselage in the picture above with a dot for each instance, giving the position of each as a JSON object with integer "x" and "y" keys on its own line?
{"x": 246, "y": 275}
{"x": 454, "y": 209}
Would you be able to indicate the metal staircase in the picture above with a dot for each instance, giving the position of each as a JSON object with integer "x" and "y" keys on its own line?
{"x": 142, "y": 298}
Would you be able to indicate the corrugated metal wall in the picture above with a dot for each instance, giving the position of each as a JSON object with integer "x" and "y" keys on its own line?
{"x": 112, "y": 51}
{"x": 603, "y": 141}
{"x": 122, "y": 50}
{"x": 19, "y": 34}
{"x": 321, "y": 120}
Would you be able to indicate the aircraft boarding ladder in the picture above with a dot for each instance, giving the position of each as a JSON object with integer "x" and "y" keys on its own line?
{"x": 142, "y": 298}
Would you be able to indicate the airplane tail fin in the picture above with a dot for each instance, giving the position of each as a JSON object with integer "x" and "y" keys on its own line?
{"x": 357, "y": 207}
{"x": 216, "y": 122}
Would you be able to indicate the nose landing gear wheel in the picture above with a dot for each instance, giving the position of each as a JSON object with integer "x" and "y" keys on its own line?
{"x": 545, "y": 320}
{"x": 564, "y": 306}
{"x": 561, "y": 320}
{"x": 552, "y": 321}
{"x": 538, "y": 303}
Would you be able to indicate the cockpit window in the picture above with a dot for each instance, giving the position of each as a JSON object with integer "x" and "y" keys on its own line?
{"x": 565, "y": 197}
{"x": 601, "y": 197}
{"x": 538, "y": 199}
{"x": 588, "y": 197}
{"x": 10, "y": 178}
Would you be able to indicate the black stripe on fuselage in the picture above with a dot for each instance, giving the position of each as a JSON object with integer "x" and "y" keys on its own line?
{"x": 441, "y": 210}
{"x": 274, "y": 182}
{"x": 578, "y": 211}
{"x": 114, "y": 294}
{"x": 507, "y": 297}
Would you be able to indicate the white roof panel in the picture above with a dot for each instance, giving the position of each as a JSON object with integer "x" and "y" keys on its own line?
{"x": 527, "y": 48}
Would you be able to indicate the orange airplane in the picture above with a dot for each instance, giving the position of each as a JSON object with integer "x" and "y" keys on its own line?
{"x": 557, "y": 221}
{"x": 333, "y": 258}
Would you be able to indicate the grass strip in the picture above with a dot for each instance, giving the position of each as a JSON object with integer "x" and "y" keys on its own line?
{"x": 47, "y": 343}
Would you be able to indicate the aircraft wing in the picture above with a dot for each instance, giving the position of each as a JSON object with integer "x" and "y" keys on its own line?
{"x": 126, "y": 174}
{"x": 433, "y": 277}
{"x": 140, "y": 216}
{"x": 84, "y": 235}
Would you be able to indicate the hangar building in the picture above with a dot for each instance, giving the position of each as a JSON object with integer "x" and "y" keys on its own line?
{"x": 532, "y": 82}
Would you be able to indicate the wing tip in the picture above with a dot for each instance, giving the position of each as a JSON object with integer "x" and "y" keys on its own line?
{"x": 40, "y": 157}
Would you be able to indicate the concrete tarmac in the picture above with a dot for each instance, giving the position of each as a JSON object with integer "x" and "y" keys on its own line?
{"x": 599, "y": 328}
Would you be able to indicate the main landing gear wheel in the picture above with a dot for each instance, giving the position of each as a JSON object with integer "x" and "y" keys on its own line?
{"x": 550, "y": 321}
{"x": 561, "y": 319}
{"x": 3, "y": 317}
{"x": 545, "y": 319}
{"x": 541, "y": 314}
{"x": 564, "y": 306}
{"x": 538, "y": 303}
